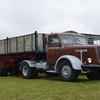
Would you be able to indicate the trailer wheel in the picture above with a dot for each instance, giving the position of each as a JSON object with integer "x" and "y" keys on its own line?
{"x": 1, "y": 71}
{"x": 66, "y": 72}
{"x": 28, "y": 72}
{"x": 5, "y": 72}
{"x": 93, "y": 75}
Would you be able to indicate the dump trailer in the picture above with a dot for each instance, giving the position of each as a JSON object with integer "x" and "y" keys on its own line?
{"x": 57, "y": 54}
{"x": 13, "y": 51}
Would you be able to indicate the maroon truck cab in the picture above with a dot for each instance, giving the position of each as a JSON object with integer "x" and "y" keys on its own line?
{"x": 72, "y": 44}
{"x": 73, "y": 50}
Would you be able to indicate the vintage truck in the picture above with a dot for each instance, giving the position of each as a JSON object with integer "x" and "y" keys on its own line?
{"x": 64, "y": 54}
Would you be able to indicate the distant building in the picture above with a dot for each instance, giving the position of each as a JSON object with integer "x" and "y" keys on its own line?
{"x": 92, "y": 38}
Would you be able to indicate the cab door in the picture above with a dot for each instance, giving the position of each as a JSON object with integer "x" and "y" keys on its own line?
{"x": 53, "y": 49}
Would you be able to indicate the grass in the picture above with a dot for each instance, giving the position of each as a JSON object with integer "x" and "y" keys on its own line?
{"x": 16, "y": 88}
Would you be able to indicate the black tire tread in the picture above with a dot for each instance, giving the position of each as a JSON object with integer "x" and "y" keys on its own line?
{"x": 74, "y": 75}
{"x": 32, "y": 72}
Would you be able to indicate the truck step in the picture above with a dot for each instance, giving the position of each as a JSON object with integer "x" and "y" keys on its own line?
{"x": 51, "y": 71}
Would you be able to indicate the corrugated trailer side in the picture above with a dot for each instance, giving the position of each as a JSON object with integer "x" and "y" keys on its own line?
{"x": 27, "y": 43}
{"x": 14, "y": 50}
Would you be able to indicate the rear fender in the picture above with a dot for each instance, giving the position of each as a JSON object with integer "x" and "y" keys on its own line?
{"x": 31, "y": 63}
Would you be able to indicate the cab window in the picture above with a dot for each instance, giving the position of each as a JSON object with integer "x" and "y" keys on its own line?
{"x": 53, "y": 41}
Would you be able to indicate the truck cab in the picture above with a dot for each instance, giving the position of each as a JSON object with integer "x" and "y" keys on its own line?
{"x": 70, "y": 53}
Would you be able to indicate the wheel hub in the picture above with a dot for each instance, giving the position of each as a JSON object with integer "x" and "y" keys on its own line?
{"x": 25, "y": 71}
{"x": 66, "y": 71}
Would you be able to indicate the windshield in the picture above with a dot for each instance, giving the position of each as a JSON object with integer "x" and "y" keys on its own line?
{"x": 80, "y": 40}
{"x": 73, "y": 40}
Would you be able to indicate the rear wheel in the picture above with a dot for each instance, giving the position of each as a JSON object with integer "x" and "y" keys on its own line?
{"x": 28, "y": 72}
{"x": 66, "y": 72}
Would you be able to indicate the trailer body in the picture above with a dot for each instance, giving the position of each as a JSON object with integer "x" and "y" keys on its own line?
{"x": 14, "y": 50}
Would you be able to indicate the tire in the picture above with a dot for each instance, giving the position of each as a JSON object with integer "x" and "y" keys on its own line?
{"x": 1, "y": 71}
{"x": 34, "y": 73}
{"x": 66, "y": 72}
{"x": 93, "y": 75}
{"x": 27, "y": 72}
{"x": 51, "y": 74}
{"x": 5, "y": 72}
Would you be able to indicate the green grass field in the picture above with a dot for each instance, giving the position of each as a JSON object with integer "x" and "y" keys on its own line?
{"x": 43, "y": 88}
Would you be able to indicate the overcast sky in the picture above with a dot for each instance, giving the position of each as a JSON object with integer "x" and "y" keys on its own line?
{"x": 18, "y": 17}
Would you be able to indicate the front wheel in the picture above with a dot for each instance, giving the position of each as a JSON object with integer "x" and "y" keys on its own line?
{"x": 95, "y": 75}
{"x": 28, "y": 72}
{"x": 66, "y": 72}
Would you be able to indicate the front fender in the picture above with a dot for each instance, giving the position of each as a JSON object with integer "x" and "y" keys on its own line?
{"x": 76, "y": 62}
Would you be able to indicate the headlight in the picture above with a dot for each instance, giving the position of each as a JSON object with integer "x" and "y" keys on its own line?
{"x": 89, "y": 60}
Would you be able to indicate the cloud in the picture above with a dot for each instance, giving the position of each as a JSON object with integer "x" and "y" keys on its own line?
{"x": 18, "y": 17}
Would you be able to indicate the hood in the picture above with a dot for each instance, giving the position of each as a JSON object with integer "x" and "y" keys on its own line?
{"x": 85, "y": 52}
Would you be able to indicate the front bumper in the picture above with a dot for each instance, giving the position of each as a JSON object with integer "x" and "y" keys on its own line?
{"x": 90, "y": 67}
